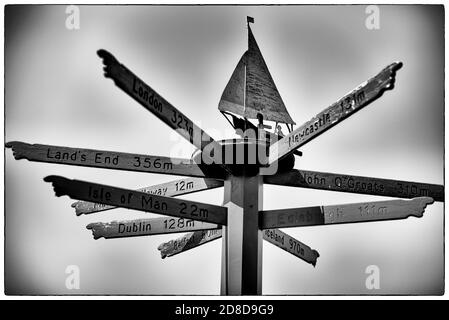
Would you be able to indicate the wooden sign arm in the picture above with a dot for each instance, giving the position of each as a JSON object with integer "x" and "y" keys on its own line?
{"x": 291, "y": 245}
{"x": 113, "y": 160}
{"x": 273, "y": 236}
{"x": 361, "y": 96}
{"x": 356, "y": 184}
{"x": 187, "y": 242}
{"x": 87, "y": 191}
{"x": 146, "y": 227}
{"x": 167, "y": 189}
{"x": 344, "y": 213}
{"x": 126, "y": 80}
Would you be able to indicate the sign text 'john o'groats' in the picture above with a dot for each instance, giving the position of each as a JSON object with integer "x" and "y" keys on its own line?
{"x": 359, "y": 97}
{"x": 168, "y": 189}
{"x": 81, "y": 190}
{"x": 344, "y": 213}
{"x": 356, "y": 184}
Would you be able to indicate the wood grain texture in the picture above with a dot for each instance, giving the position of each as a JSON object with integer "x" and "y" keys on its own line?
{"x": 356, "y": 184}
{"x": 344, "y": 213}
{"x": 156, "y": 104}
{"x": 291, "y": 245}
{"x": 112, "y": 160}
{"x": 168, "y": 189}
{"x": 82, "y": 190}
{"x": 146, "y": 227}
{"x": 361, "y": 96}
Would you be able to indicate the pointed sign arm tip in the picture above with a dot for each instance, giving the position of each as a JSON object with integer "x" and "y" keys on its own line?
{"x": 55, "y": 179}
{"x": 93, "y": 227}
{"x": 10, "y": 144}
{"x": 421, "y": 205}
{"x": 107, "y": 57}
{"x": 60, "y": 184}
{"x": 18, "y": 149}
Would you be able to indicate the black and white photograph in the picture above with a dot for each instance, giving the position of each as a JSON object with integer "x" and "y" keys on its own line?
{"x": 224, "y": 150}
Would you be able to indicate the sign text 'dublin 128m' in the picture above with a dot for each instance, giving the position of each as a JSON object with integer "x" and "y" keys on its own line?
{"x": 145, "y": 227}
{"x": 82, "y": 190}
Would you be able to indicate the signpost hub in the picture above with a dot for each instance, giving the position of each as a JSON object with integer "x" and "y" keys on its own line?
{"x": 243, "y": 156}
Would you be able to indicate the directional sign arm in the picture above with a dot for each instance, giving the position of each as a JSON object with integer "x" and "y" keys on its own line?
{"x": 153, "y": 102}
{"x": 82, "y": 190}
{"x": 168, "y": 189}
{"x": 359, "y": 97}
{"x": 187, "y": 242}
{"x": 356, "y": 184}
{"x": 291, "y": 245}
{"x": 344, "y": 213}
{"x": 146, "y": 227}
{"x": 112, "y": 160}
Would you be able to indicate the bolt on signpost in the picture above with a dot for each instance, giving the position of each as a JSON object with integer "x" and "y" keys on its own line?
{"x": 242, "y": 166}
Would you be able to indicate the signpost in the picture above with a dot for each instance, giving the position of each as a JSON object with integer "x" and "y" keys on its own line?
{"x": 241, "y": 221}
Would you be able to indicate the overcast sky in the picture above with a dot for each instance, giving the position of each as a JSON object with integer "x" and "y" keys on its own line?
{"x": 56, "y": 94}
